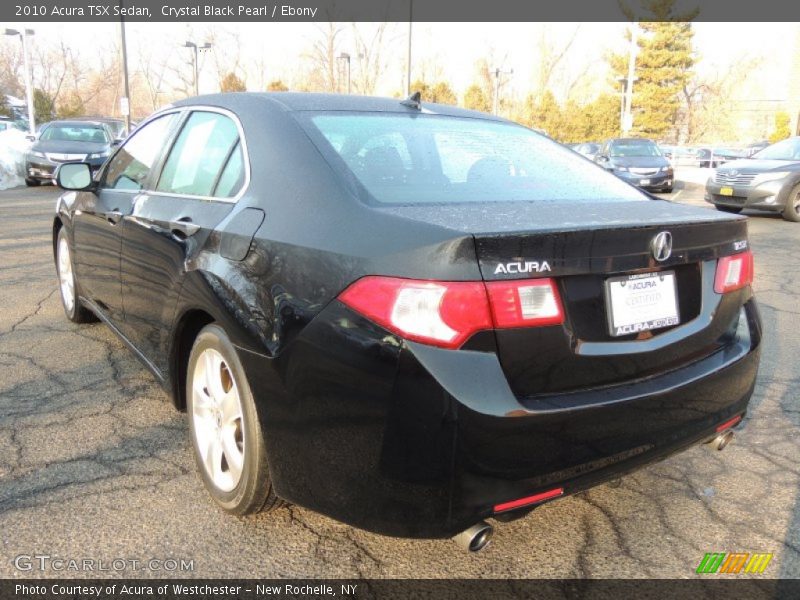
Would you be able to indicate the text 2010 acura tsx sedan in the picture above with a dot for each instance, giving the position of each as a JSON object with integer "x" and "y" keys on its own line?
{"x": 407, "y": 317}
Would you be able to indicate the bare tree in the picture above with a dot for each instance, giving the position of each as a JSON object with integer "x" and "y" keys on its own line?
{"x": 323, "y": 75}
{"x": 370, "y": 56}
{"x": 551, "y": 56}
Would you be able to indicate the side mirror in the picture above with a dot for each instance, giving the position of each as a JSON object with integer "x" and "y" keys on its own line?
{"x": 117, "y": 142}
{"x": 74, "y": 176}
{"x": 602, "y": 157}
{"x": 30, "y": 138}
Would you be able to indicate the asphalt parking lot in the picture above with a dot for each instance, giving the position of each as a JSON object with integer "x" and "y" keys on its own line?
{"x": 96, "y": 464}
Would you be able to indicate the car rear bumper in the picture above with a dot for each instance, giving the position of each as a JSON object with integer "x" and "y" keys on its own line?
{"x": 770, "y": 195}
{"x": 411, "y": 440}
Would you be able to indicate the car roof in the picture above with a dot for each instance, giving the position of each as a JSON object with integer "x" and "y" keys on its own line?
{"x": 631, "y": 139}
{"x": 98, "y": 119}
{"x": 77, "y": 123}
{"x": 303, "y": 101}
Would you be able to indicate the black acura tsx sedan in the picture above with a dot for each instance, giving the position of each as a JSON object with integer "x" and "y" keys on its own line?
{"x": 406, "y": 316}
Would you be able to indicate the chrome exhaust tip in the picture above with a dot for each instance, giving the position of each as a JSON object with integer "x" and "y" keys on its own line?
{"x": 476, "y": 538}
{"x": 722, "y": 440}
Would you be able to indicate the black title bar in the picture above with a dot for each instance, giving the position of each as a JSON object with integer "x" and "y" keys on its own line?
{"x": 741, "y": 588}
{"x": 31, "y": 11}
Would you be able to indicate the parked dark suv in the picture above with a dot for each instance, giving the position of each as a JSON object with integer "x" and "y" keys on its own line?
{"x": 769, "y": 180}
{"x": 637, "y": 161}
{"x": 409, "y": 317}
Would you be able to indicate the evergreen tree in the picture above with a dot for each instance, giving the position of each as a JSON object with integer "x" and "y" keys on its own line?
{"x": 663, "y": 67}
{"x": 43, "y": 106}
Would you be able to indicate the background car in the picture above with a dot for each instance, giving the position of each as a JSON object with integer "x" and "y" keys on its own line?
{"x": 117, "y": 127}
{"x": 67, "y": 141}
{"x": 587, "y": 149}
{"x": 769, "y": 180}
{"x": 710, "y": 158}
{"x": 409, "y": 317}
{"x": 755, "y": 147}
{"x": 638, "y": 161}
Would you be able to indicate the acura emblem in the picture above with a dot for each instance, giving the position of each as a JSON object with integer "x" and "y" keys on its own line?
{"x": 661, "y": 246}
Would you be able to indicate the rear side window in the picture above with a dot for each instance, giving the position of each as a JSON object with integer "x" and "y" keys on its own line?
{"x": 204, "y": 153}
{"x": 424, "y": 159}
{"x": 232, "y": 177}
{"x": 131, "y": 165}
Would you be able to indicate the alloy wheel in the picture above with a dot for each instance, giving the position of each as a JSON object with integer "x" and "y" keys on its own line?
{"x": 217, "y": 415}
{"x": 65, "y": 275}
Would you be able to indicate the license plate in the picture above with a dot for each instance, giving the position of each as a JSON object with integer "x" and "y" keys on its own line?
{"x": 644, "y": 182}
{"x": 726, "y": 191}
{"x": 641, "y": 302}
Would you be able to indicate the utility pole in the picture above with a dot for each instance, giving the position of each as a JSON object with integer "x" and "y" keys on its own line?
{"x": 627, "y": 120}
{"x": 23, "y": 35}
{"x": 497, "y": 73}
{"x": 125, "y": 101}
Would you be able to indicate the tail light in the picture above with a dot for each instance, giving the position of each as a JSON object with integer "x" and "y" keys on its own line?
{"x": 734, "y": 272}
{"x": 525, "y": 303}
{"x": 447, "y": 313}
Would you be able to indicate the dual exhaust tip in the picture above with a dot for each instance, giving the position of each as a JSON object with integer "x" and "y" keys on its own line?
{"x": 722, "y": 440}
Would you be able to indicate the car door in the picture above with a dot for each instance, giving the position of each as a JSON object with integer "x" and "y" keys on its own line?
{"x": 96, "y": 227}
{"x": 199, "y": 179}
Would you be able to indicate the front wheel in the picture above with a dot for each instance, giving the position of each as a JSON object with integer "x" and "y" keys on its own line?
{"x": 30, "y": 182}
{"x": 791, "y": 212}
{"x": 68, "y": 284}
{"x": 226, "y": 433}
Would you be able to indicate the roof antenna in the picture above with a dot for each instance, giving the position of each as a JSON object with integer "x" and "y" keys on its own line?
{"x": 413, "y": 101}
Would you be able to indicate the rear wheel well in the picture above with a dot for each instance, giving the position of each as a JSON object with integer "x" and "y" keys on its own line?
{"x": 189, "y": 326}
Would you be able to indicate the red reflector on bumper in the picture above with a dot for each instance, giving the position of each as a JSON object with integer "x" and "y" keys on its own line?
{"x": 728, "y": 424}
{"x": 529, "y": 500}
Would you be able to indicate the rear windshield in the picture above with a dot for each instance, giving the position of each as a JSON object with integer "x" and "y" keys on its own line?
{"x": 74, "y": 133}
{"x": 422, "y": 159}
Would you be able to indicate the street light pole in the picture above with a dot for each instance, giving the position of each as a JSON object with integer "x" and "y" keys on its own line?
{"x": 345, "y": 57}
{"x": 23, "y": 34}
{"x": 196, "y": 50}
{"x": 627, "y": 122}
{"x": 125, "y": 103}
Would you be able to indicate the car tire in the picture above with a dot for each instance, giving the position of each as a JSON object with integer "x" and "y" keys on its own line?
{"x": 667, "y": 190}
{"x": 226, "y": 433}
{"x": 728, "y": 209}
{"x": 32, "y": 182}
{"x": 68, "y": 283}
{"x": 792, "y": 210}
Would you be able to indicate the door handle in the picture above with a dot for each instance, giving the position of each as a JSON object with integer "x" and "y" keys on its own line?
{"x": 183, "y": 227}
{"x": 114, "y": 216}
